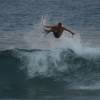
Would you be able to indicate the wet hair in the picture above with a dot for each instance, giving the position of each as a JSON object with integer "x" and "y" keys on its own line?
{"x": 60, "y": 24}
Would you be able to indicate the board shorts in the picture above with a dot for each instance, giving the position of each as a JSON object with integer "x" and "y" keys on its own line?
{"x": 57, "y": 34}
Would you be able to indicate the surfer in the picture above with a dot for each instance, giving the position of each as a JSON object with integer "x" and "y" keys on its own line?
{"x": 57, "y": 30}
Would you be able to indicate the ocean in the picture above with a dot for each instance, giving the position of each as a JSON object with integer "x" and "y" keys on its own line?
{"x": 36, "y": 66}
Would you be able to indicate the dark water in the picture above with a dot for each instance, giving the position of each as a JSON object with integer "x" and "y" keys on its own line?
{"x": 20, "y": 77}
{"x": 32, "y": 73}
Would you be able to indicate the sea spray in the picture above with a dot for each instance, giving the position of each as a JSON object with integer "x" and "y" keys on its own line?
{"x": 38, "y": 39}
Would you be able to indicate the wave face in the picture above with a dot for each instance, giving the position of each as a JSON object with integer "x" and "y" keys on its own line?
{"x": 26, "y": 73}
{"x": 12, "y": 79}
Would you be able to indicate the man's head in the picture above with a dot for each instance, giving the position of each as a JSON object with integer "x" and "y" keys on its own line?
{"x": 59, "y": 24}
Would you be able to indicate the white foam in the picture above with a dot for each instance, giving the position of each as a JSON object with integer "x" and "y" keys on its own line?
{"x": 43, "y": 63}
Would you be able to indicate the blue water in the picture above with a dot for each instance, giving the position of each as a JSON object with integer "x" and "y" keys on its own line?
{"x": 38, "y": 67}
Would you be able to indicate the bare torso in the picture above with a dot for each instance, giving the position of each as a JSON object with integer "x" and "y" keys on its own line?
{"x": 57, "y": 31}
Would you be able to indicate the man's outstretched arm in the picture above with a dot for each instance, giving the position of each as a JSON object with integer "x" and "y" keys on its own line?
{"x": 48, "y": 26}
{"x": 69, "y": 31}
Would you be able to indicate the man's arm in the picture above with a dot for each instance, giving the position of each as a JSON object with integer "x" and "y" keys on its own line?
{"x": 48, "y": 26}
{"x": 69, "y": 31}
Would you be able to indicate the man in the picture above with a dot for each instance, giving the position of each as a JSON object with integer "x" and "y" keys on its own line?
{"x": 57, "y": 30}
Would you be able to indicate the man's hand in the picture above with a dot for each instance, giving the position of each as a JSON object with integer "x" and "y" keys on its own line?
{"x": 73, "y": 33}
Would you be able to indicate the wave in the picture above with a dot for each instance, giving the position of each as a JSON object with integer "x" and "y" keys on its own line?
{"x": 60, "y": 65}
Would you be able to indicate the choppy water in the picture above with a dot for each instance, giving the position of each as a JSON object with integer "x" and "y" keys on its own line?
{"x": 38, "y": 67}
